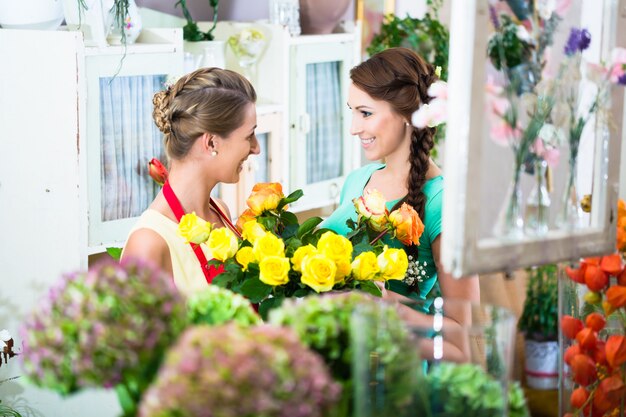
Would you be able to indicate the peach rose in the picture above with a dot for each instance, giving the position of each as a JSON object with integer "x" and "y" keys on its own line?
{"x": 371, "y": 207}
{"x": 407, "y": 224}
{"x": 265, "y": 197}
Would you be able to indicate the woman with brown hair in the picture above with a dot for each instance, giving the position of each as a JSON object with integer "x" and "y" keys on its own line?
{"x": 208, "y": 119}
{"x": 385, "y": 91}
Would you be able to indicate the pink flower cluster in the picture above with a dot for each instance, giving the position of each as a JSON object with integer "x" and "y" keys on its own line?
{"x": 95, "y": 328}
{"x": 232, "y": 371}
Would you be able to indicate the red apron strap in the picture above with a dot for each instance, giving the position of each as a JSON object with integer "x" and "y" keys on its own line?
{"x": 225, "y": 219}
{"x": 209, "y": 272}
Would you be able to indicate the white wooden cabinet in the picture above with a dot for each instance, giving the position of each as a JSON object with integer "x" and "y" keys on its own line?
{"x": 308, "y": 77}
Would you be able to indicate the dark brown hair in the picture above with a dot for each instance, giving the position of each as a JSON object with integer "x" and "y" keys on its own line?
{"x": 401, "y": 77}
{"x": 208, "y": 100}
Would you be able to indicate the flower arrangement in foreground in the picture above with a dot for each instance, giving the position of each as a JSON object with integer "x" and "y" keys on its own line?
{"x": 215, "y": 306}
{"x": 233, "y": 371}
{"x": 597, "y": 357}
{"x": 324, "y": 324}
{"x": 279, "y": 258}
{"x": 107, "y": 327}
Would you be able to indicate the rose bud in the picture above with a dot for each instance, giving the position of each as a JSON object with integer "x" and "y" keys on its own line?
{"x": 571, "y": 326}
{"x": 615, "y": 350}
{"x": 596, "y": 321}
{"x": 157, "y": 171}
{"x": 583, "y": 370}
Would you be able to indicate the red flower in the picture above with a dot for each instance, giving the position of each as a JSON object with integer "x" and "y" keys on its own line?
{"x": 596, "y": 321}
{"x": 595, "y": 278}
{"x": 157, "y": 171}
{"x": 570, "y": 352}
{"x": 616, "y": 296}
{"x": 611, "y": 264}
{"x": 587, "y": 338}
{"x": 616, "y": 350}
{"x": 599, "y": 353}
{"x": 583, "y": 370}
{"x": 621, "y": 278}
{"x": 579, "y": 397}
{"x": 571, "y": 326}
{"x": 609, "y": 393}
{"x": 575, "y": 274}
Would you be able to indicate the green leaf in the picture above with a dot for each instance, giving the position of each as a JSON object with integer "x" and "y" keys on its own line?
{"x": 224, "y": 279}
{"x": 288, "y": 218}
{"x": 370, "y": 287}
{"x": 269, "y": 304}
{"x": 255, "y": 290}
{"x": 308, "y": 225}
{"x": 360, "y": 248}
{"x": 115, "y": 253}
{"x": 295, "y": 196}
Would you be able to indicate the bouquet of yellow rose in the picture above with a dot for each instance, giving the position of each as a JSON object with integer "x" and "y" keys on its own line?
{"x": 277, "y": 257}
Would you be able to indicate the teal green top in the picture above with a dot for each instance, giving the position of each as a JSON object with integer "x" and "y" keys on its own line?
{"x": 433, "y": 189}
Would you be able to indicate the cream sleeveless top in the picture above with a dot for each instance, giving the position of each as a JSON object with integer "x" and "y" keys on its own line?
{"x": 188, "y": 275}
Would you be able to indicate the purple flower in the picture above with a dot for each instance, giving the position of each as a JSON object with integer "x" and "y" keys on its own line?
{"x": 494, "y": 17}
{"x": 578, "y": 41}
{"x": 621, "y": 80}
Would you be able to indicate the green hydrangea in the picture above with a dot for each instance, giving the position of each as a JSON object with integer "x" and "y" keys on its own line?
{"x": 215, "y": 306}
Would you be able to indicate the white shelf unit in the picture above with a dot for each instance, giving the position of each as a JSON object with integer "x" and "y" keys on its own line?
{"x": 51, "y": 181}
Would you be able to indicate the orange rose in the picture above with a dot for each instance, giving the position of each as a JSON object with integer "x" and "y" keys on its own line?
{"x": 407, "y": 224}
{"x": 371, "y": 206}
{"x": 265, "y": 197}
{"x": 615, "y": 350}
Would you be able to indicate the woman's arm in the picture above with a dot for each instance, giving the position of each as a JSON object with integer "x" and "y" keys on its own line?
{"x": 148, "y": 245}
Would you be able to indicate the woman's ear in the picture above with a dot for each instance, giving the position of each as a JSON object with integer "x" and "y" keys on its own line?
{"x": 208, "y": 142}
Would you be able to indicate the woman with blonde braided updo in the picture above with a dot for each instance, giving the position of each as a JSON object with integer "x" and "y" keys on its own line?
{"x": 385, "y": 91}
{"x": 208, "y": 120}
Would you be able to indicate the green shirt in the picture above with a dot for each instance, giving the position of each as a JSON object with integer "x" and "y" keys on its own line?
{"x": 433, "y": 189}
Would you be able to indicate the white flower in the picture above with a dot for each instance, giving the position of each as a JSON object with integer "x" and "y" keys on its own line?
{"x": 523, "y": 34}
{"x": 5, "y": 336}
{"x": 545, "y": 8}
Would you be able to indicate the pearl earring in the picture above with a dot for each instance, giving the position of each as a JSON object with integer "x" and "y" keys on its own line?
{"x": 214, "y": 153}
{"x": 407, "y": 124}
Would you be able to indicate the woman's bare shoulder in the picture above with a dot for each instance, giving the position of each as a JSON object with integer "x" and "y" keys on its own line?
{"x": 147, "y": 244}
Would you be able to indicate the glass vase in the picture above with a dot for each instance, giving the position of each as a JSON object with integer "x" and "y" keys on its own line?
{"x": 570, "y": 216}
{"x": 444, "y": 369}
{"x": 510, "y": 222}
{"x": 537, "y": 215}
{"x": 123, "y": 29}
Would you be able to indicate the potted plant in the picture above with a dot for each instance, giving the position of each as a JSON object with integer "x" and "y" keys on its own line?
{"x": 539, "y": 324}
{"x": 202, "y": 44}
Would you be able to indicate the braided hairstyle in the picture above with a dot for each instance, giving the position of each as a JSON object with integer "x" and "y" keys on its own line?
{"x": 208, "y": 100}
{"x": 401, "y": 77}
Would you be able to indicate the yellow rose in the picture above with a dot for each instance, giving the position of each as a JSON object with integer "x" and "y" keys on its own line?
{"x": 343, "y": 269}
{"x": 264, "y": 197}
{"x": 371, "y": 207}
{"x": 223, "y": 244}
{"x": 407, "y": 225}
{"x": 274, "y": 270}
{"x": 365, "y": 266}
{"x": 335, "y": 246}
{"x": 318, "y": 272}
{"x": 268, "y": 245}
{"x": 244, "y": 257}
{"x": 193, "y": 229}
{"x": 252, "y": 230}
{"x": 301, "y": 253}
{"x": 393, "y": 263}
{"x": 244, "y": 218}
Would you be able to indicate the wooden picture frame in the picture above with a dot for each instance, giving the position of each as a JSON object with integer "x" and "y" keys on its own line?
{"x": 466, "y": 167}
{"x": 371, "y": 13}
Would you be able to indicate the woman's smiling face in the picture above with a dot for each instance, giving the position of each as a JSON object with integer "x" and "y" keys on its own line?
{"x": 382, "y": 130}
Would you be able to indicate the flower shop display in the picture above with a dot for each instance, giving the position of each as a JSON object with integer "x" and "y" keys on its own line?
{"x": 593, "y": 325}
{"x": 107, "y": 327}
{"x": 234, "y": 371}
{"x": 520, "y": 110}
{"x": 539, "y": 324}
{"x": 278, "y": 258}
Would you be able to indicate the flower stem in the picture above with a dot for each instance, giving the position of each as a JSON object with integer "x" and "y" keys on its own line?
{"x": 377, "y": 238}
